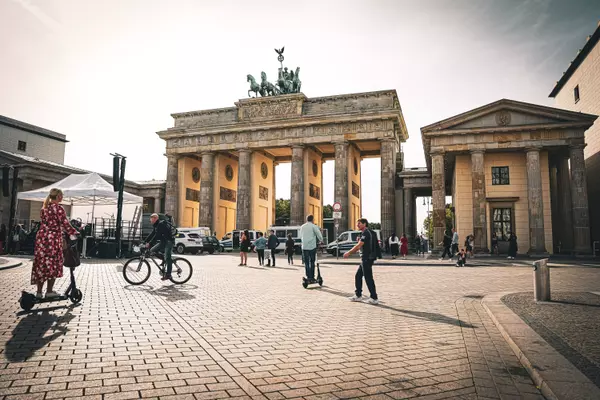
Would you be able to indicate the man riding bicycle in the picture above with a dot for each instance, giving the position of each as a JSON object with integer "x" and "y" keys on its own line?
{"x": 161, "y": 232}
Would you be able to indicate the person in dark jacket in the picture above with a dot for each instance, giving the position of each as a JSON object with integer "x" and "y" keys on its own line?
{"x": 290, "y": 248}
{"x": 272, "y": 244}
{"x": 161, "y": 233}
{"x": 447, "y": 243}
{"x": 512, "y": 246}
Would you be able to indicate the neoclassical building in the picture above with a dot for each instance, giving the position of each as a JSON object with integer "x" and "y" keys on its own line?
{"x": 512, "y": 167}
{"x": 221, "y": 162}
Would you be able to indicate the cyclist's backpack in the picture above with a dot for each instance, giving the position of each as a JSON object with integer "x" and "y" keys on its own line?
{"x": 172, "y": 226}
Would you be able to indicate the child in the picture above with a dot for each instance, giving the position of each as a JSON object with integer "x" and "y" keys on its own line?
{"x": 462, "y": 258}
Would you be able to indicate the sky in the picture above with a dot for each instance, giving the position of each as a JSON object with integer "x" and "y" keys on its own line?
{"x": 109, "y": 73}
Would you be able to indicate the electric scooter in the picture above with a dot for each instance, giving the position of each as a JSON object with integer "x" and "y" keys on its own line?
{"x": 319, "y": 280}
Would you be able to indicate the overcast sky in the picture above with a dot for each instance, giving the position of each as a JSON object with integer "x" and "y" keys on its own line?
{"x": 109, "y": 73}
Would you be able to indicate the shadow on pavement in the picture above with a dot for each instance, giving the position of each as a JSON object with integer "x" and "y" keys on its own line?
{"x": 174, "y": 292}
{"x": 407, "y": 313}
{"x": 31, "y": 333}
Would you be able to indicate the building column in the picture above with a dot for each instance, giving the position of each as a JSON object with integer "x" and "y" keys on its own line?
{"x": 388, "y": 193}
{"x": 565, "y": 206}
{"x": 537, "y": 237}
{"x": 171, "y": 187}
{"x": 341, "y": 181}
{"x": 243, "y": 193}
{"x": 479, "y": 201}
{"x": 438, "y": 200}
{"x": 25, "y": 206}
{"x": 273, "y": 197}
{"x": 207, "y": 173}
{"x": 408, "y": 215}
{"x": 297, "y": 184}
{"x": 579, "y": 198}
{"x": 157, "y": 205}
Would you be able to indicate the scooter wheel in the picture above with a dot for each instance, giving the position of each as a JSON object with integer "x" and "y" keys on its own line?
{"x": 320, "y": 281}
{"x": 304, "y": 283}
{"x": 27, "y": 301}
{"x": 76, "y": 296}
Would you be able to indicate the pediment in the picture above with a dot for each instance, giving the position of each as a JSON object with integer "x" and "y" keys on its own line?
{"x": 509, "y": 114}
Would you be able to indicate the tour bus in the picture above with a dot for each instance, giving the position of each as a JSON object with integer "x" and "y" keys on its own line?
{"x": 347, "y": 240}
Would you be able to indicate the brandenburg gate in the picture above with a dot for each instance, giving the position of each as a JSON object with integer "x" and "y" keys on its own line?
{"x": 221, "y": 162}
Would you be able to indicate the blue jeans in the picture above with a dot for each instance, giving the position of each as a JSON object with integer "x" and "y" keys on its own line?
{"x": 167, "y": 248}
{"x": 309, "y": 256}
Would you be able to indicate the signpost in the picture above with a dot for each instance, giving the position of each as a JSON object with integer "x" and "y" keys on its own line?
{"x": 337, "y": 215}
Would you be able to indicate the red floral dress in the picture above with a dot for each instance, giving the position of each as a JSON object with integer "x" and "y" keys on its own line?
{"x": 48, "y": 253}
{"x": 403, "y": 246}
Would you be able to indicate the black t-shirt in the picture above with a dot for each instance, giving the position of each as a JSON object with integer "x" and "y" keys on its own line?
{"x": 367, "y": 251}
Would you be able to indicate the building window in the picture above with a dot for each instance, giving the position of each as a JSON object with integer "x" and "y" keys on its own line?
{"x": 576, "y": 93}
{"x": 502, "y": 222}
{"x": 22, "y": 146}
{"x": 500, "y": 176}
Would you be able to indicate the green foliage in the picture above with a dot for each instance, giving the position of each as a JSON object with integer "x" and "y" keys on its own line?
{"x": 375, "y": 225}
{"x": 328, "y": 211}
{"x": 282, "y": 209}
{"x": 428, "y": 222}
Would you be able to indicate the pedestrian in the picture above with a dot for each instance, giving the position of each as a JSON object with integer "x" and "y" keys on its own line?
{"x": 423, "y": 244}
{"x": 48, "y": 248}
{"x": 259, "y": 245}
{"x": 3, "y": 237}
{"x": 454, "y": 246}
{"x": 494, "y": 244}
{"x": 446, "y": 242}
{"x": 369, "y": 252}
{"x": 394, "y": 245}
{"x": 272, "y": 244}
{"x": 310, "y": 235}
{"x": 461, "y": 258}
{"x": 244, "y": 248}
{"x": 467, "y": 244}
{"x": 18, "y": 236}
{"x": 512, "y": 246}
{"x": 388, "y": 245}
{"x": 418, "y": 243}
{"x": 404, "y": 245}
{"x": 472, "y": 245}
{"x": 290, "y": 249}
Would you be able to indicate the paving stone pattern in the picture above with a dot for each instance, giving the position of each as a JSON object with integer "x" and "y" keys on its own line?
{"x": 255, "y": 333}
{"x": 570, "y": 323}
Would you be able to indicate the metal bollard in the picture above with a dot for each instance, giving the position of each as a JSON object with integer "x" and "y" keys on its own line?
{"x": 541, "y": 280}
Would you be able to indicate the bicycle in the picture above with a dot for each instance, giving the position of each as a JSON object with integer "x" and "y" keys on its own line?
{"x": 136, "y": 270}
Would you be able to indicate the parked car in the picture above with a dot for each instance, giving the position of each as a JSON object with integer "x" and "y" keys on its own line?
{"x": 210, "y": 245}
{"x": 188, "y": 243}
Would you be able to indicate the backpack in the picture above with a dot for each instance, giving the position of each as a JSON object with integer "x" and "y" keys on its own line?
{"x": 375, "y": 249}
{"x": 171, "y": 225}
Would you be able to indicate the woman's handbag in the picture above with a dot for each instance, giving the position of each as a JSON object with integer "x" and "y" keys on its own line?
{"x": 71, "y": 256}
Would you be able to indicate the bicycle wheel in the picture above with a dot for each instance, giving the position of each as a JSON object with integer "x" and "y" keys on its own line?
{"x": 136, "y": 271}
{"x": 182, "y": 271}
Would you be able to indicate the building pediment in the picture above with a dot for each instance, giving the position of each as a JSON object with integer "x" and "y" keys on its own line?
{"x": 506, "y": 115}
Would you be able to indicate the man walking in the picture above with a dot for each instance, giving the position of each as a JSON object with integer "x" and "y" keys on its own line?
{"x": 367, "y": 244}
{"x": 310, "y": 234}
{"x": 454, "y": 243}
{"x": 272, "y": 244}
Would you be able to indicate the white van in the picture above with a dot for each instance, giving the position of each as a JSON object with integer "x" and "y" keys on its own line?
{"x": 200, "y": 231}
{"x": 227, "y": 240}
{"x": 347, "y": 240}
{"x": 282, "y": 231}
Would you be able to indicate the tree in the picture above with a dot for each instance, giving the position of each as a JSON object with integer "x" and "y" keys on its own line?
{"x": 375, "y": 225}
{"x": 328, "y": 211}
{"x": 282, "y": 209}
{"x": 428, "y": 222}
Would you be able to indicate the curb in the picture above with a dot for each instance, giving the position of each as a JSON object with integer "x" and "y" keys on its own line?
{"x": 551, "y": 372}
{"x": 12, "y": 263}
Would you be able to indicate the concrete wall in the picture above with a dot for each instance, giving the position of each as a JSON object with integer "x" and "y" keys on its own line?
{"x": 262, "y": 209}
{"x": 188, "y": 210}
{"x": 587, "y": 76}
{"x": 517, "y": 188}
{"x": 37, "y": 146}
{"x": 225, "y": 211}
{"x": 312, "y": 205}
{"x": 354, "y": 203}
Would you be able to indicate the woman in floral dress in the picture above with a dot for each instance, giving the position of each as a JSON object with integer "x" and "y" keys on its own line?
{"x": 48, "y": 253}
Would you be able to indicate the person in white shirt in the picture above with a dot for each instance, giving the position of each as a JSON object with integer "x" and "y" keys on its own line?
{"x": 394, "y": 245}
{"x": 310, "y": 235}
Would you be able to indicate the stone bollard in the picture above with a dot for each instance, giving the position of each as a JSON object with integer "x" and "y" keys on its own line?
{"x": 541, "y": 280}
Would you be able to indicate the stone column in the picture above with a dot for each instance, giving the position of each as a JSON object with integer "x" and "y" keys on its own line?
{"x": 243, "y": 193}
{"x": 409, "y": 228}
{"x": 207, "y": 173}
{"x": 171, "y": 187}
{"x": 579, "y": 198}
{"x": 565, "y": 206}
{"x": 341, "y": 181}
{"x": 25, "y": 206}
{"x": 438, "y": 200}
{"x": 297, "y": 184}
{"x": 479, "y": 201}
{"x": 388, "y": 193}
{"x": 157, "y": 205}
{"x": 273, "y": 197}
{"x": 537, "y": 243}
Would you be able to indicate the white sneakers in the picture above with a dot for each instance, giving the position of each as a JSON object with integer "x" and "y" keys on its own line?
{"x": 366, "y": 300}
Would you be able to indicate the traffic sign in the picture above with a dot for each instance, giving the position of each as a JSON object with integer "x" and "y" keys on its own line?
{"x": 337, "y": 206}
{"x": 337, "y": 214}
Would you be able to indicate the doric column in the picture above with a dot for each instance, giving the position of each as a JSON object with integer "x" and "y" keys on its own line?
{"x": 537, "y": 237}
{"x": 297, "y": 184}
{"x": 409, "y": 228}
{"x": 171, "y": 188}
{"x": 565, "y": 206}
{"x": 388, "y": 194}
{"x": 579, "y": 198}
{"x": 243, "y": 194}
{"x": 207, "y": 172}
{"x": 341, "y": 181}
{"x": 438, "y": 199}
{"x": 157, "y": 204}
{"x": 273, "y": 197}
{"x": 479, "y": 201}
{"x": 25, "y": 206}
